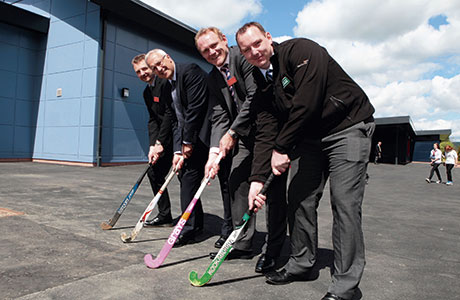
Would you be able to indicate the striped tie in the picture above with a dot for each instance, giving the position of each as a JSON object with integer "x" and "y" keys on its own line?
{"x": 225, "y": 69}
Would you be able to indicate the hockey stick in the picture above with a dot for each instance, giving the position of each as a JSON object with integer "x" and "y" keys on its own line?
{"x": 140, "y": 224}
{"x": 227, "y": 247}
{"x": 125, "y": 202}
{"x": 154, "y": 263}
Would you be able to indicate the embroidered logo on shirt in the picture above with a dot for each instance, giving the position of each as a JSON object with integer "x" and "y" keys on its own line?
{"x": 285, "y": 81}
{"x": 156, "y": 99}
{"x": 305, "y": 62}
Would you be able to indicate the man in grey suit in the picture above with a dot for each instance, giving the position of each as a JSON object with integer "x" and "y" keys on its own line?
{"x": 231, "y": 89}
{"x": 189, "y": 93}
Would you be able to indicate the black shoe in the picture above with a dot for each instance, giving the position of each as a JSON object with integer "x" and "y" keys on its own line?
{"x": 220, "y": 242}
{"x": 184, "y": 239}
{"x": 330, "y": 296}
{"x": 284, "y": 277}
{"x": 159, "y": 222}
{"x": 235, "y": 254}
{"x": 264, "y": 264}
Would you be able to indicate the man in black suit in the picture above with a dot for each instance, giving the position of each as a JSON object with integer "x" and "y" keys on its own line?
{"x": 188, "y": 89}
{"x": 160, "y": 141}
{"x": 232, "y": 87}
{"x": 322, "y": 120}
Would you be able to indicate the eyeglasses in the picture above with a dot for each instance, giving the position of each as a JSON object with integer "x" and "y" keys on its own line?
{"x": 158, "y": 64}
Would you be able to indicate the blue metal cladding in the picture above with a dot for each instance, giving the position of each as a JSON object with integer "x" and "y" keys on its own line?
{"x": 22, "y": 56}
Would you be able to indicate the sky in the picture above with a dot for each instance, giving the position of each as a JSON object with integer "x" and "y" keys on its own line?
{"x": 404, "y": 54}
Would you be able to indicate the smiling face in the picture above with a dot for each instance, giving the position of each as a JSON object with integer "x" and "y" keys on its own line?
{"x": 161, "y": 64}
{"x": 213, "y": 48}
{"x": 256, "y": 47}
{"x": 143, "y": 71}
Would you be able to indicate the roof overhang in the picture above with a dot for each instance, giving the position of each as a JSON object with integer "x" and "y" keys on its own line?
{"x": 151, "y": 18}
{"x": 16, "y": 16}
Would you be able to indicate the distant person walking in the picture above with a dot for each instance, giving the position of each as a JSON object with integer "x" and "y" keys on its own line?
{"x": 451, "y": 162}
{"x": 378, "y": 152}
{"x": 435, "y": 157}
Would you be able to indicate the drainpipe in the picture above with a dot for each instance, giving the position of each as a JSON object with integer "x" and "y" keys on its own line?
{"x": 101, "y": 88}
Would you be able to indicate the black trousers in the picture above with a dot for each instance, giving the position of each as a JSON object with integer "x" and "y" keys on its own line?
{"x": 190, "y": 177}
{"x": 157, "y": 174}
{"x": 449, "y": 168}
{"x": 434, "y": 168}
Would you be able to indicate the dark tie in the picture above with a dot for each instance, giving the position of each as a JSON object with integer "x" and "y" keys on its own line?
{"x": 225, "y": 69}
{"x": 269, "y": 75}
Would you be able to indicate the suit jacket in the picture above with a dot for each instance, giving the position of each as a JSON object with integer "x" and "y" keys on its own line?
{"x": 160, "y": 117}
{"x": 192, "y": 92}
{"x": 312, "y": 97}
{"x": 224, "y": 111}
{"x": 312, "y": 89}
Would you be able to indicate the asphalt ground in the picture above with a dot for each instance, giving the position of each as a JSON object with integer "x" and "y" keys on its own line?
{"x": 52, "y": 247}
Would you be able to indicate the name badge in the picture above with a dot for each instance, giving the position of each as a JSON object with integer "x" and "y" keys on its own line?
{"x": 231, "y": 81}
{"x": 156, "y": 99}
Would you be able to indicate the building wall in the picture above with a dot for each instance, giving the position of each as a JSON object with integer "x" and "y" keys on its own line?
{"x": 66, "y": 126}
{"x": 21, "y": 62}
{"x": 76, "y": 58}
{"x": 125, "y": 135}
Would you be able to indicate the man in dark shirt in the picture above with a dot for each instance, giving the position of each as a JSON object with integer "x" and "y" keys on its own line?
{"x": 159, "y": 129}
{"x": 322, "y": 120}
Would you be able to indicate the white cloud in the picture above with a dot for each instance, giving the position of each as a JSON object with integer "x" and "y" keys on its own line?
{"x": 454, "y": 125}
{"x": 205, "y": 13}
{"x": 406, "y": 66}
{"x": 280, "y": 39}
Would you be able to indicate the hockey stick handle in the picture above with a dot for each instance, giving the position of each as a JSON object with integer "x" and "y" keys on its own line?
{"x": 133, "y": 190}
{"x": 263, "y": 191}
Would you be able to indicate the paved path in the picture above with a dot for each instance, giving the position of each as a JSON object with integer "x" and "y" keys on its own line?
{"x": 51, "y": 245}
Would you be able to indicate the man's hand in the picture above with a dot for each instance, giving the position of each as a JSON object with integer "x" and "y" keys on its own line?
{"x": 155, "y": 153}
{"x": 187, "y": 150}
{"x": 178, "y": 163}
{"x": 211, "y": 168}
{"x": 227, "y": 142}
{"x": 280, "y": 162}
{"x": 256, "y": 200}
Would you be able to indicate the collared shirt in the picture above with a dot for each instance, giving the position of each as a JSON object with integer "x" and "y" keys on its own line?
{"x": 176, "y": 101}
{"x": 264, "y": 71}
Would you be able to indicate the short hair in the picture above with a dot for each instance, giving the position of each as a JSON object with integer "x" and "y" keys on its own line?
{"x": 203, "y": 31}
{"x": 138, "y": 58}
{"x": 154, "y": 51}
{"x": 246, "y": 26}
{"x": 448, "y": 147}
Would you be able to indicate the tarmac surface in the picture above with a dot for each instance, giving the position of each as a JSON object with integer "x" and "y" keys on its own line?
{"x": 51, "y": 245}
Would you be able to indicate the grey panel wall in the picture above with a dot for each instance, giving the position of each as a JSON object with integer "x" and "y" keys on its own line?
{"x": 21, "y": 63}
{"x": 125, "y": 136}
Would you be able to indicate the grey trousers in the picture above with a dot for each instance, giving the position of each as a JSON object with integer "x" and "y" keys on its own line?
{"x": 342, "y": 157}
{"x": 276, "y": 208}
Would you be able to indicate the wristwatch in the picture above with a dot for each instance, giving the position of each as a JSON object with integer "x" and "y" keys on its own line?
{"x": 157, "y": 142}
{"x": 232, "y": 133}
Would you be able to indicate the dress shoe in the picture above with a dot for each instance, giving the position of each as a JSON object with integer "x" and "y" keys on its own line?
{"x": 284, "y": 277}
{"x": 330, "y": 296}
{"x": 220, "y": 242}
{"x": 184, "y": 239}
{"x": 159, "y": 221}
{"x": 264, "y": 264}
{"x": 235, "y": 254}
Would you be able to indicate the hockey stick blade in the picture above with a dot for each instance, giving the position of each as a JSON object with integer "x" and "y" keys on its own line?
{"x": 140, "y": 223}
{"x": 154, "y": 263}
{"x": 124, "y": 204}
{"x": 227, "y": 247}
